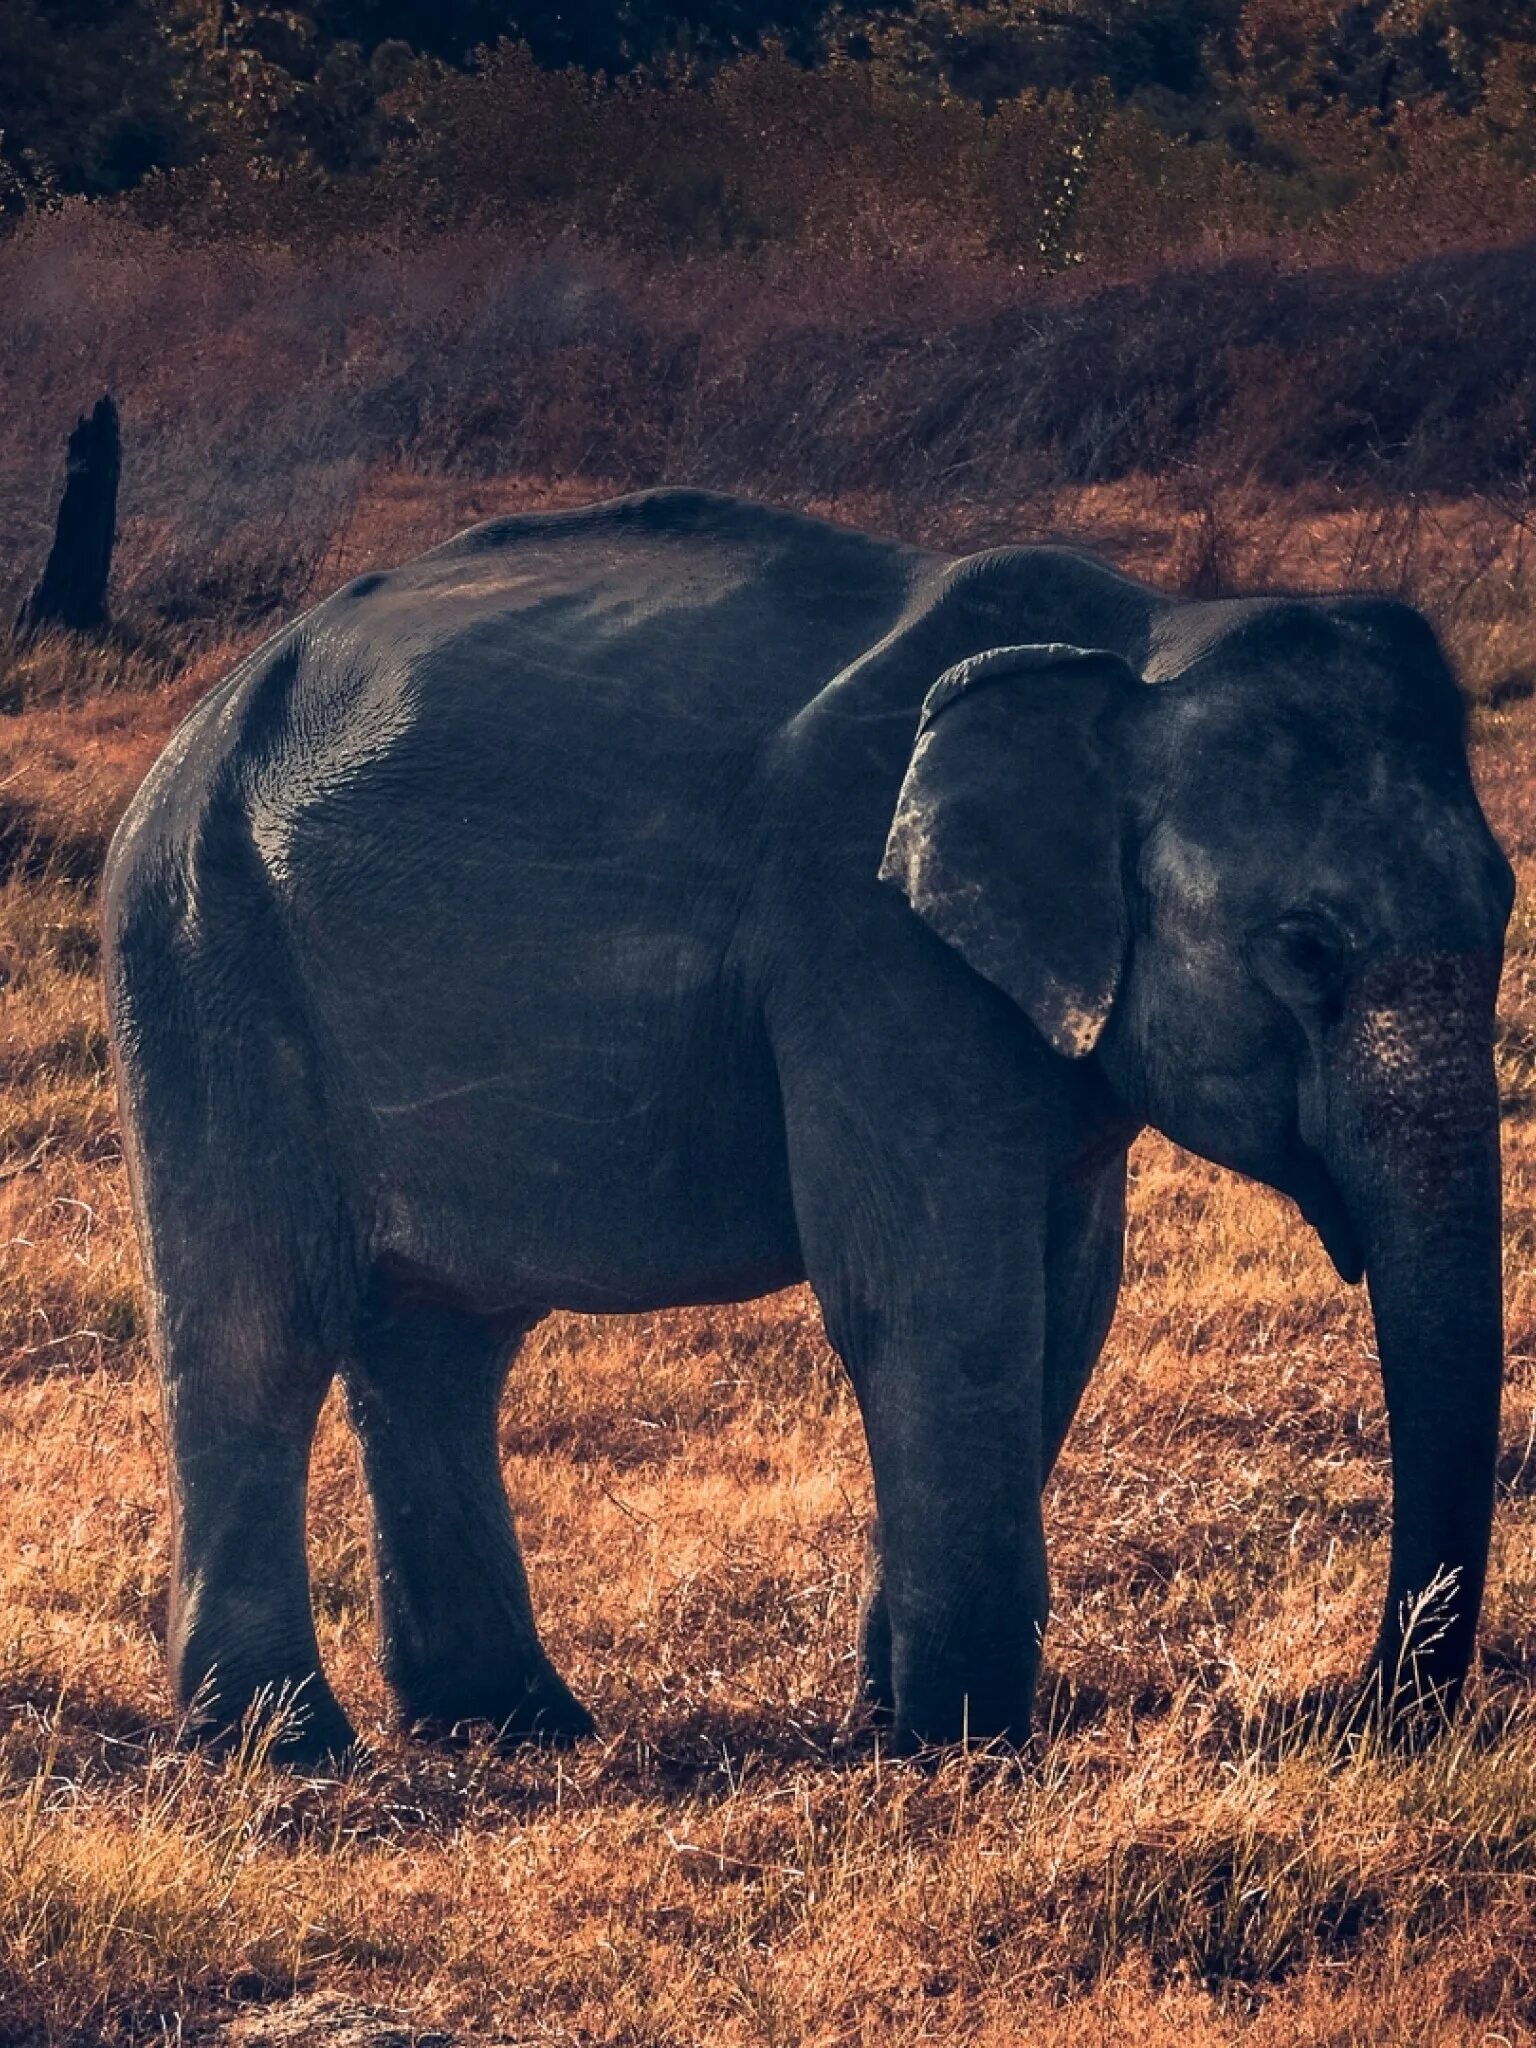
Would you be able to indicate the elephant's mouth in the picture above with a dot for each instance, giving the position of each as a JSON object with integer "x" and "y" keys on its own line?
{"x": 1312, "y": 1188}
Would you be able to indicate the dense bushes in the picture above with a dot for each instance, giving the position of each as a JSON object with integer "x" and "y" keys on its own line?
{"x": 259, "y": 383}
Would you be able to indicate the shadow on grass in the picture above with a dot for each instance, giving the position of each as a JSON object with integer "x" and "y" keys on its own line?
{"x": 88, "y": 1732}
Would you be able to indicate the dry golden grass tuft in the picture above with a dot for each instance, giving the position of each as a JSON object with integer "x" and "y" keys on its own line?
{"x": 1168, "y": 1868}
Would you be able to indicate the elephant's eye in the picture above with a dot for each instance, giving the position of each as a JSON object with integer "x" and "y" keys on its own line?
{"x": 1313, "y": 952}
{"x": 1303, "y": 959}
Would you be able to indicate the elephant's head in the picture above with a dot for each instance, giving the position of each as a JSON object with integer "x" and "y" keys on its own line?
{"x": 1258, "y": 891}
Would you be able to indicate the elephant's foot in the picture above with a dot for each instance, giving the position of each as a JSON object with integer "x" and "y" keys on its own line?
{"x": 296, "y": 1724}
{"x": 981, "y": 1701}
{"x": 521, "y": 1704}
{"x": 1404, "y": 1712}
{"x": 925, "y": 1721}
{"x": 915, "y": 1736}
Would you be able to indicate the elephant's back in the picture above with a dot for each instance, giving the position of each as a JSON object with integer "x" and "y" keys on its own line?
{"x": 668, "y": 603}
{"x": 566, "y": 688}
{"x": 543, "y": 662}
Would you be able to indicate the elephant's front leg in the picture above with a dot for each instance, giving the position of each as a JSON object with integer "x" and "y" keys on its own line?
{"x": 956, "y": 1600}
{"x": 1085, "y": 1233}
{"x": 925, "y": 1122}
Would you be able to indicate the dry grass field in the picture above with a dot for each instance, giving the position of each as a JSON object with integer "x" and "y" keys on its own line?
{"x": 691, "y": 1490}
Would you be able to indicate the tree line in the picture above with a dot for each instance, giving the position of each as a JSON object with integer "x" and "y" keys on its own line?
{"x": 1297, "y": 101}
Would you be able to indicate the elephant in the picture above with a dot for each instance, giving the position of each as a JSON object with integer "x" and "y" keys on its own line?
{"x": 675, "y": 899}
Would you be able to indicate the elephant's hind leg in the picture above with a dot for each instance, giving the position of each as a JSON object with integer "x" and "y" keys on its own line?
{"x": 458, "y": 1641}
{"x": 244, "y": 1380}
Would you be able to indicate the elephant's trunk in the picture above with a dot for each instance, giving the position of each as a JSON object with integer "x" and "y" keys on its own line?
{"x": 1414, "y": 1146}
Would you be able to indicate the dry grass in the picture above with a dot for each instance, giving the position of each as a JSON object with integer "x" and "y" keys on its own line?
{"x": 260, "y": 386}
{"x": 691, "y": 1489}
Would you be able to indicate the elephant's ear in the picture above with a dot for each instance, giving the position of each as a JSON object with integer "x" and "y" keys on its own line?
{"x": 1006, "y": 839}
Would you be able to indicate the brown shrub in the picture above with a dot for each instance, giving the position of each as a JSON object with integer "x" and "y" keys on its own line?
{"x": 260, "y": 385}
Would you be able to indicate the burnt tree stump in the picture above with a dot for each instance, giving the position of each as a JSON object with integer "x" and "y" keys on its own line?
{"x": 71, "y": 593}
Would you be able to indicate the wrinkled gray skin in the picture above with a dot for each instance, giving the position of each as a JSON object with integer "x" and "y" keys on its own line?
{"x": 669, "y": 900}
